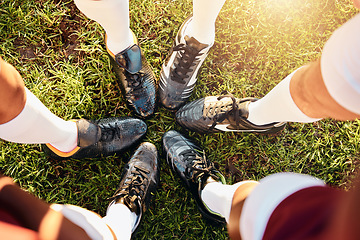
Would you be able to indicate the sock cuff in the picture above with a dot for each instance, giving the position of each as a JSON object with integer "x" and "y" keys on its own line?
{"x": 120, "y": 219}
{"x": 218, "y": 197}
{"x": 277, "y": 106}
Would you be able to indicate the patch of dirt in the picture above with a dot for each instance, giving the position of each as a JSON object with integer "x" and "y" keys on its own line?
{"x": 349, "y": 180}
{"x": 69, "y": 27}
{"x": 231, "y": 170}
{"x": 239, "y": 171}
{"x": 26, "y": 52}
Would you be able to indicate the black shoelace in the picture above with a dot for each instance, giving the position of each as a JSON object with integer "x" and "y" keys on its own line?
{"x": 135, "y": 80}
{"x": 188, "y": 60}
{"x": 109, "y": 132}
{"x": 133, "y": 189}
{"x": 218, "y": 112}
{"x": 196, "y": 166}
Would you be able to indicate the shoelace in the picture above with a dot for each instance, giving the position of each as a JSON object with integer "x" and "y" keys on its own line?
{"x": 133, "y": 189}
{"x": 218, "y": 112}
{"x": 136, "y": 80}
{"x": 109, "y": 132}
{"x": 188, "y": 60}
{"x": 197, "y": 166}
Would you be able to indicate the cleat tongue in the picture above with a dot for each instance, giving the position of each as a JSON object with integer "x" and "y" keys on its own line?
{"x": 193, "y": 43}
{"x": 88, "y": 133}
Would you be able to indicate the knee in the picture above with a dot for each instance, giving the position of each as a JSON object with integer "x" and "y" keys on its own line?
{"x": 12, "y": 92}
{"x": 305, "y": 87}
{"x": 310, "y": 94}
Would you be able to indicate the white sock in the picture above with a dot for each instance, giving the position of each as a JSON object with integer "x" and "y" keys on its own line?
{"x": 202, "y": 26}
{"x": 277, "y": 106}
{"x": 36, "y": 124}
{"x": 113, "y": 16}
{"x": 121, "y": 220}
{"x": 218, "y": 197}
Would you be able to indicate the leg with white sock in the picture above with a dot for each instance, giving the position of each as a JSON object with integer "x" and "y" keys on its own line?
{"x": 135, "y": 75}
{"x": 192, "y": 44}
{"x": 202, "y": 26}
{"x": 219, "y": 197}
{"x": 260, "y": 210}
{"x": 121, "y": 220}
{"x": 277, "y": 106}
{"x": 327, "y": 88}
{"x": 113, "y": 16}
{"x": 206, "y": 184}
{"x": 303, "y": 95}
{"x": 34, "y": 123}
{"x": 27, "y": 120}
{"x": 321, "y": 89}
{"x": 131, "y": 199}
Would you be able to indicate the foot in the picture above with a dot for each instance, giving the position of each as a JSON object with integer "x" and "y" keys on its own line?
{"x": 178, "y": 73}
{"x": 136, "y": 79}
{"x": 102, "y": 137}
{"x": 139, "y": 181}
{"x": 224, "y": 113}
{"x": 190, "y": 164}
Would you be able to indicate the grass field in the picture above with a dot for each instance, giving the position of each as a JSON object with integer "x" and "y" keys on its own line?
{"x": 62, "y": 58}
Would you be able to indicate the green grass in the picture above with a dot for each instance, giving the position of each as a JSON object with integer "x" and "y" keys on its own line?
{"x": 61, "y": 55}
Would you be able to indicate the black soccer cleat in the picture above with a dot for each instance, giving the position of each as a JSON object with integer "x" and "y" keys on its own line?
{"x": 224, "y": 113}
{"x": 136, "y": 79}
{"x": 189, "y": 163}
{"x": 102, "y": 137}
{"x": 139, "y": 181}
{"x": 179, "y": 72}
